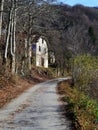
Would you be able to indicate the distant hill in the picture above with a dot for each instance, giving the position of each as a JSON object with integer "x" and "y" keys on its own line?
{"x": 75, "y": 28}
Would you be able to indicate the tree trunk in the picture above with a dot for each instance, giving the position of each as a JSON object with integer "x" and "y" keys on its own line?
{"x": 26, "y": 48}
{"x": 29, "y": 42}
{"x": 1, "y": 16}
{"x": 8, "y": 34}
{"x": 29, "y": 55}
{"x": 14, "y": 44}
{"x": 11, "y": 36}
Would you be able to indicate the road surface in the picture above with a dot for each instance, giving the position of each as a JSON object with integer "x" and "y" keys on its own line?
{"x": 36, "y": 109}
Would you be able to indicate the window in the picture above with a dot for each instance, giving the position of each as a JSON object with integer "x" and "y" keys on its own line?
{"x": 42, "y": 41}
{"x": 40, "y": 48}
{"x": 44, "y": 50}
{"x": 42, "y": 61}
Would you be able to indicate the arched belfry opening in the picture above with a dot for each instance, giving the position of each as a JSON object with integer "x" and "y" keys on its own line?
{"x": 41, "y": 52}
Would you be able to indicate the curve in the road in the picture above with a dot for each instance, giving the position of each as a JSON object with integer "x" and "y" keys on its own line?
{"x": 37, "y": 109}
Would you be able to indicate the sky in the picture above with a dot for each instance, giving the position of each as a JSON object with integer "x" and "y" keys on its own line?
{"x": 90, "y": 3}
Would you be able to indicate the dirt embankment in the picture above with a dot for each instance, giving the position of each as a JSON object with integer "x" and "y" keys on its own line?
{"x": 64, "y": 90}
{"x": 13, "y": 86}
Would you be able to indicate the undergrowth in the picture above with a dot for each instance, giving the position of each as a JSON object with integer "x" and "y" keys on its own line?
{"x": 84, "y": 109}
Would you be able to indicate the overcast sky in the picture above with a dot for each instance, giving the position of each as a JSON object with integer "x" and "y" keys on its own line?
{"x": 91, "y": 3}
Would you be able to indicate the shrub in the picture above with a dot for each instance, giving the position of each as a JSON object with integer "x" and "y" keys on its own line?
{"x": 84, "y": 109}
{"x": 85, "y": 72}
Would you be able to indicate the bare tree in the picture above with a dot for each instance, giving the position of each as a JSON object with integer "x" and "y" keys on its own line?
{"x": 75, "y": 37}
{"x": 11, "y": 34}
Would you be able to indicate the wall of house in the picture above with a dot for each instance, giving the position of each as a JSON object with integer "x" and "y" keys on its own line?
{"x": 41, "y": 53}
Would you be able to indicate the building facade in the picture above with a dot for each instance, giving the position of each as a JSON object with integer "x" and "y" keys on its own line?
{"x": 41, "y": 53}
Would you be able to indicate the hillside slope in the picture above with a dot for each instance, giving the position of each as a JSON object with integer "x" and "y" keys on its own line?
{"x": 74, "y": 28}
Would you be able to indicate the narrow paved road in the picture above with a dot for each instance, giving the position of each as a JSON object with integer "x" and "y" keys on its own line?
{"x": 36, "y": 109}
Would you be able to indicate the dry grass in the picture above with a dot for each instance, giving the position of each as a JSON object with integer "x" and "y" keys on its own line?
{"x": 83, "y": 108}
{"x": 12, "y": 86}
{"x": 11, "y": 91}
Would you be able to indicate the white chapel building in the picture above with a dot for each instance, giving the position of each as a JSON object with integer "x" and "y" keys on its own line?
{"x": 41, "y": 53}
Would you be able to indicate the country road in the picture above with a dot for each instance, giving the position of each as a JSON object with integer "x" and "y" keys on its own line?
{"x": 36, "y": 109}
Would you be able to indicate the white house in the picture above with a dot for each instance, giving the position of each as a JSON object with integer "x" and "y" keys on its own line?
{"x": 41, "y": 53}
